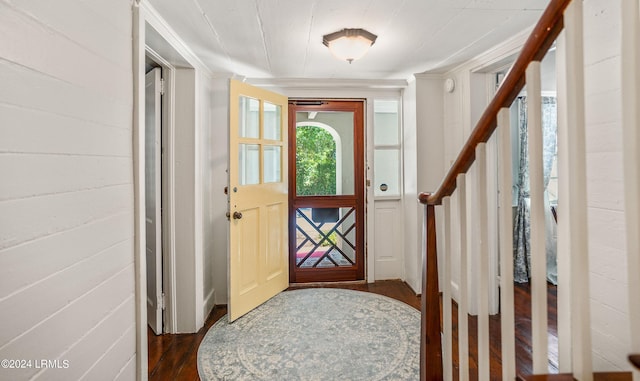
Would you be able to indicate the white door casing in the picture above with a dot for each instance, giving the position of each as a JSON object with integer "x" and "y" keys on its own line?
{"x": 153, "y": 199}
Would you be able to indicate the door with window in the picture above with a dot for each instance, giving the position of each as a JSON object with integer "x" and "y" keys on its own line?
{"x": 326, "y": 190}
{"x": 257, "y": 197}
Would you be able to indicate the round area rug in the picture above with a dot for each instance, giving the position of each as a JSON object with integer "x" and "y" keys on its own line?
{"x": 316, "y": 334}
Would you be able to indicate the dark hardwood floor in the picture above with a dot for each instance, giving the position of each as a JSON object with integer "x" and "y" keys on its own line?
{"x": 522, "y": 314}
{"x": 174, "y": 357}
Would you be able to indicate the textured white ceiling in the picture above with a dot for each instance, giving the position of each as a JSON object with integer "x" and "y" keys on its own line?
{"x": 283, "y": 38}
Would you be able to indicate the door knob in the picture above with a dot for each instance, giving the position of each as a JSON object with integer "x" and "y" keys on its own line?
{"x": 237, "y": 215}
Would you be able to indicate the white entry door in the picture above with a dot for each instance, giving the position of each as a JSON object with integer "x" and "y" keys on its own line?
{"x": 153, "y": 198}
{"x": 258, "y": 200}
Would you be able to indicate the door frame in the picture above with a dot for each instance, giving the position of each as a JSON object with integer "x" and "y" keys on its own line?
{"x": 358, "y": 106}
{"x": 167, "y": 190}
{"x": 160, "y": 202}
{"x": 150, "y": 30}
{"x": 368, "y": 90}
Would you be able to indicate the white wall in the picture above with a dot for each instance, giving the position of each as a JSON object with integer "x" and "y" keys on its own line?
{"x": 218, "y": 164}
{"x": 185, "y": 194}
{"x": 210, "y": 186}
{"x": 458, "y": 127}
{"x": 461, "y": 110}
{"x": 213, "y": 198}
{"x": 607, "y": 251}
{"x": 411, "y": 208}
{"x": 195, "y": 214}
{"x": 430, "y": 132}
{"x": 66, "y": 198}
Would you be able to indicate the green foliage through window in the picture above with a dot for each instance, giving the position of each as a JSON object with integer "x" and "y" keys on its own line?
{"x": 315, "y": 162}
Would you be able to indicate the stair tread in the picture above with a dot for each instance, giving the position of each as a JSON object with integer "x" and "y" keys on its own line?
{"x": 554, "y": 377}
{"x": 597, "y": 376}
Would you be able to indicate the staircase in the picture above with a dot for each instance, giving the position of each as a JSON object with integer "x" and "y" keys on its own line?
{"x": 562, "y": 22}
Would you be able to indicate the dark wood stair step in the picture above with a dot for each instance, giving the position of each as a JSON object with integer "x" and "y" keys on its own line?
{"x": 612, "y": 376}
{"x": 599, "y": 376}
{"x": 545, "y": 377}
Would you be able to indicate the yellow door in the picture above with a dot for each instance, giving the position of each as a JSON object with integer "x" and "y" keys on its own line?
{"x": 258, "y": 200}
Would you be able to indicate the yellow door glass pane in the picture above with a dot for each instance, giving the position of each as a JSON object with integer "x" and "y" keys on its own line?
{"x": 272, "y": 121}
{"x": 272, "y": 164}
{"x": 249, "y": 118}
{"x": 248, "y": 164}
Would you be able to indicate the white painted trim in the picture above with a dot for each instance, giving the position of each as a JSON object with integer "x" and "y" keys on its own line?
{"x": 505, "y": 221}
{"x": 575, "y": 209}
{"x": 327, "y": 83}
{"x": 139, "y": 193}
{"x": 411, "y": 208}
{"x": 493, "y": 58}
{"x": 537, "y": 212}
{"x": 492, "y": 206}
{"x": 340, "y": 93}
{"x": 631, "y": 120}
{"x": 153, "y": 18}
{"x": 427, "y": 75}
{"x": 370, "y": 214}
{"x": 168, "y": 198}
{"x": 197, "y": 208}
{"x": 463, "y": 304}
{"x": 189, "y": 267}
{"x": 455, "y": 290}
{"x": 209, "y": 302}
{"x": 563, "y": 246}
{"x": 483, "y": 277}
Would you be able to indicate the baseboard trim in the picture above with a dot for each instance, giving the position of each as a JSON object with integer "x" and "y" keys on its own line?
{"x": 209, "y": 303}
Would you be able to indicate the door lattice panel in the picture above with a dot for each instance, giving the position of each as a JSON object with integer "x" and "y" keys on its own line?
{"x": 325, "y": 237}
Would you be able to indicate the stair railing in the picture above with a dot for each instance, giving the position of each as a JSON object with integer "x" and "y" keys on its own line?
{"x": 436, "y": 350}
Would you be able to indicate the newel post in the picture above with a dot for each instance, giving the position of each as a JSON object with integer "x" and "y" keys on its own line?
{"x": 430, "y": 341}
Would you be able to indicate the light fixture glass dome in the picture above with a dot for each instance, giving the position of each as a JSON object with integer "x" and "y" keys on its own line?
{"x": 349, "y": 44}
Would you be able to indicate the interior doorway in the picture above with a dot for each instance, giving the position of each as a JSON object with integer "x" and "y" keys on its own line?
{"x": 153, "y": 195}
{"x": 326, "y": 190}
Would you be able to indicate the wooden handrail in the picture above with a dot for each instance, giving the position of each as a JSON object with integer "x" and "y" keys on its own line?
{"x": 542, "y": 37}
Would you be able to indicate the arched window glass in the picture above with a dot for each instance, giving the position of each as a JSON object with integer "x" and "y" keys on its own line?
{"x": 317, "y": 161}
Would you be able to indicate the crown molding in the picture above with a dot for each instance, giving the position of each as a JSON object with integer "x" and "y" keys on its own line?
{"x": 157, "y": 22}
{"x": 328, "y": 83}
{"x": 439, "y": 76}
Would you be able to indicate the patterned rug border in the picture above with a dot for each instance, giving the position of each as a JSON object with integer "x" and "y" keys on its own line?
{"x": 383, "y": 335}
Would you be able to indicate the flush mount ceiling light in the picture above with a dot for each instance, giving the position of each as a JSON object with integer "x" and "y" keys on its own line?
{"x": 349, "y": 44}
